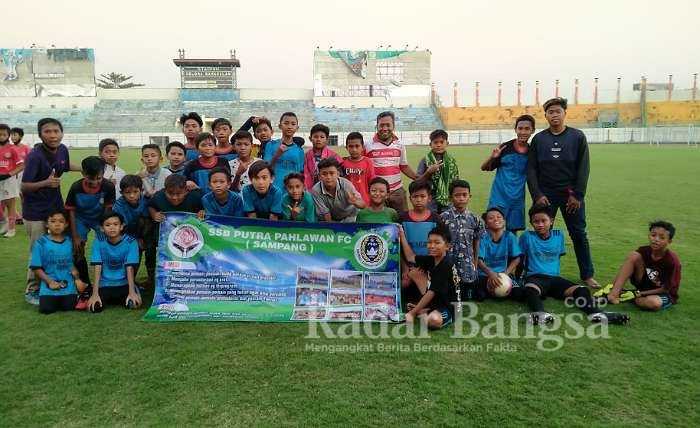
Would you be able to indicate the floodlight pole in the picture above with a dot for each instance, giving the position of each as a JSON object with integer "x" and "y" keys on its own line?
{"x": 454, "y": 95}
{"x": 500, "y": 89}
{"x": 595, "y": 91}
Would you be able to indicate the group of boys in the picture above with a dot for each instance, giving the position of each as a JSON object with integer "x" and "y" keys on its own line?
{"x": 12, "y": 156}
{"x": 449, "y": 253}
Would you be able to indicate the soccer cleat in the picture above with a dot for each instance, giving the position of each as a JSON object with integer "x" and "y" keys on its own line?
{"x": 10, "y": 233}
{"x": 32, "y": 298}
{"x": 603, "y": 291}
{"x": 540, "y": 318}
{"x": 628, "y": 295}
{"x": 82, "y": 303}
{"x": 618, "y": 318}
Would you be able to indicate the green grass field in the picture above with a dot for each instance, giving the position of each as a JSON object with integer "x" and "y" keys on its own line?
{"x": 77, "y": 369}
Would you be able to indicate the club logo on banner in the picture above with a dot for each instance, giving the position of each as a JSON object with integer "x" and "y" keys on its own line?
{"x": 239, "y": 269}
{"x": 371, "y": 251}
{"x": 185, "y": 241}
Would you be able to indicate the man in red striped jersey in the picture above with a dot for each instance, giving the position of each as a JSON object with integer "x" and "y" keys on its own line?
{"x": 389, "y": 158}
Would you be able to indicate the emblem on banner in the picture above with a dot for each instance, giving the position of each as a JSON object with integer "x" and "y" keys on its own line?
{"x": 185, "y": 241}
{"x": 371, "y": 251}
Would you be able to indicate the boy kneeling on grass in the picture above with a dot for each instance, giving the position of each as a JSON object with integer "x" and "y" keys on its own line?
{"x": 435, "y": 277}
{"x": 52, "y": 263}
{"x": 541, "y": 249}
{"x": 114, "y": 256}
{"x": 654, "y": 270}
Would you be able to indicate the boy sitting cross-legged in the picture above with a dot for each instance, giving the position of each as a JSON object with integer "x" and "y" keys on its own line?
{"x": 654, "y": 270}
{"x": 499, "y": 252}
{"x": 436, "y": 277}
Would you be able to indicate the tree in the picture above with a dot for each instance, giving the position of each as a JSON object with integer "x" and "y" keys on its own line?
{"x": 116, "y": 81}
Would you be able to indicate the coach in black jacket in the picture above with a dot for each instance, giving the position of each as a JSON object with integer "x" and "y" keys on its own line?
{"x": 557, "y": 175}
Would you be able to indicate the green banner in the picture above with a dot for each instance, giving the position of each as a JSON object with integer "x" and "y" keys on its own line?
{"x": 238, "y": 269}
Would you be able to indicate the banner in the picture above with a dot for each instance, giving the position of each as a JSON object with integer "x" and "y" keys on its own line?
{"x": 39, "y": 72}
{"x": 239, "y": 269}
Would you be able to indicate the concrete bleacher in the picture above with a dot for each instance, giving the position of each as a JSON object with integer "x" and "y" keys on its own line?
{"x": 72, "y": 119}
{"x": 362, "y": 119}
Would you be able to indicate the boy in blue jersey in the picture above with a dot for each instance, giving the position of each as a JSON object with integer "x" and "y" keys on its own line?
{"x": 132, "y": 205}
{"x": 499, "y": 252}
{"x": 283, "y": 155}
{"x": 114, "y": 256}
{"x": 437, "y": 279}
{"x": 197, "y": 171}
{"x": 420, "y": 220}
{"x": 221, "y": 200}
{"x": 261, "y": 198}
{"x": 262, "y": 129}
{"x": 417, "y": 223}
{"x": 510, "y": 161}
{"x": 297, "y": 204}
{"x": 173, "y": 197}
{"x": 222, "y": 131}
{"x": 191, "y": 127}
{"x": 542, "y": 248}
{"x": 175, "y": 152}
{"x": 87, "y": 200}
{"x": 52, "y": 263}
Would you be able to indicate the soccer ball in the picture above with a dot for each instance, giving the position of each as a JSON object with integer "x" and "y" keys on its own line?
{"x": 504, "y": 287}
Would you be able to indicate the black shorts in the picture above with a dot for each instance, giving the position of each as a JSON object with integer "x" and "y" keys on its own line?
{"x": 114, "y": 295}
{"x": 410, "y": 294}
{"x": 51, "y": 304}
{"x": 552, "y": 286}
{"x": 644, "y": 284}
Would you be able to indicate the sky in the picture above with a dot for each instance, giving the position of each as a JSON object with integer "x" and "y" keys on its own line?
{"x": 474, "y": 40}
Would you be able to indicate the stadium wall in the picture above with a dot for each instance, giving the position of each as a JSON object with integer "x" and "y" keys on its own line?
{"x": 673, "y": 112}
{"x": 581, "y": 115}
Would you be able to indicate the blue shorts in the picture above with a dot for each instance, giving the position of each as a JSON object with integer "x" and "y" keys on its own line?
{"x": 446, "y": 316}
{"x": 666, "y": 301}
{"x": 84, "y": 227}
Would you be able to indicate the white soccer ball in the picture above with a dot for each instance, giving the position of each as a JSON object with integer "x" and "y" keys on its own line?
{"x": 504, "y": 287}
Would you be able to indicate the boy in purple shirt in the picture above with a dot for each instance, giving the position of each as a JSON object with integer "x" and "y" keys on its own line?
{"x": 41, "y": 186}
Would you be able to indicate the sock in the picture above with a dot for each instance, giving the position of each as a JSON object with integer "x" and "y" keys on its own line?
{"x": 82, "y": 267}
{"x": 533, "y": 299}
{"x": 584, "y": 301}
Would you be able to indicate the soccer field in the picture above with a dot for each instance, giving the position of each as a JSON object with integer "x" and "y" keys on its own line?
{"x": 78, "y": 369}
